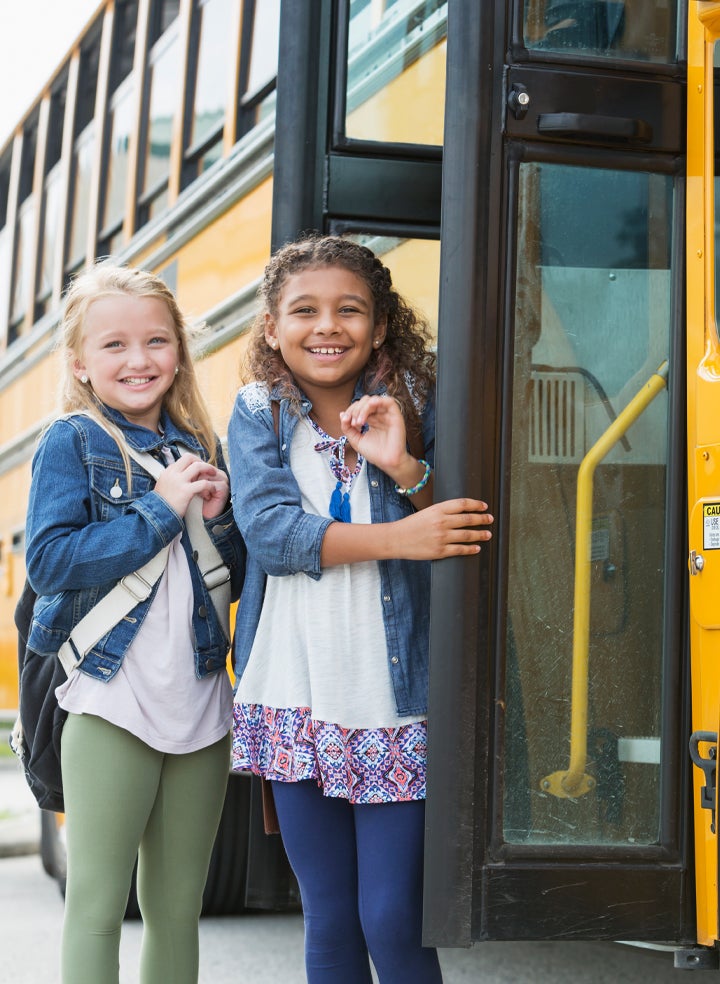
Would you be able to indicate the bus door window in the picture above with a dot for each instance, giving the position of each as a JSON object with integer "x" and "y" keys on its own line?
{"x": 592, "y": 324}
{"x": 640, "y": 30}
{"x": 395, "y": 77}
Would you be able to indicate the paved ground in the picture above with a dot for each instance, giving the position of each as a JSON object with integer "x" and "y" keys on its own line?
{"x": 19, "y": 815}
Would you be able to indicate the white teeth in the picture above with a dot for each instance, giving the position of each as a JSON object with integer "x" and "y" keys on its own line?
{"x": 137, "y": 380}
{"x": 327, "y": 351}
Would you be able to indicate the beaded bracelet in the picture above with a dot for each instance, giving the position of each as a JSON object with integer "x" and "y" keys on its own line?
{"x": 420, "y": 485}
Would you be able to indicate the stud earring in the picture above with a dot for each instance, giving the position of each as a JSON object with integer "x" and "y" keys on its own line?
{"x": 177, "y": 370}
{"x": 83, "y": 378}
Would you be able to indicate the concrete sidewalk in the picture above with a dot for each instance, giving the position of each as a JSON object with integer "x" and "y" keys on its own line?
{"x": 19, "y": 813}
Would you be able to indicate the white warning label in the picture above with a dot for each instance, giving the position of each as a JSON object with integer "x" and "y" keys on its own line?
{"x": 711, "y": 526}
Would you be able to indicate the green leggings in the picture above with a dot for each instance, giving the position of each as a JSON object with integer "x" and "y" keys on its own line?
{"x": 125, "y": 800}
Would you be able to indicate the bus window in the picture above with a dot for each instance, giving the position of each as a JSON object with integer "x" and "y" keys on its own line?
{"x": 25, "y": 230}
{"x": 415, "y": 268}
{"x": 258, "y": 62}
{"x": 163, "y": 79}
{"x": 641, "y": 30}
{"x": 51, "y": 238}
{"x": 395, "y": 81}
{"x": 214, "y": 52}
{"x": 4, "y": 245}
{"x": 120, "y": 124}
{"x": 83, "y": 151}
{"x": 592, "y": 324}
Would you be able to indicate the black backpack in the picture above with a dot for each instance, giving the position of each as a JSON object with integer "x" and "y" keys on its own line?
{"x": 37, "y": 741}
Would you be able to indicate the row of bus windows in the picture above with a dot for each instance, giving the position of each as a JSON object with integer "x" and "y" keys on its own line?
{"x": 159, "y": 91}
{"x": 154, "y": 97}
{"x": 119, "y": 101}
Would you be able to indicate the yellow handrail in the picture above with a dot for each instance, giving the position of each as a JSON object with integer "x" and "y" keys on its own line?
{"x": 574, "y": 782}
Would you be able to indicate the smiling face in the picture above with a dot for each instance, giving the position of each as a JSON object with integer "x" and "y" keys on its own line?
{"x": 325, "y": 329}
{"x": 129, "y": 354}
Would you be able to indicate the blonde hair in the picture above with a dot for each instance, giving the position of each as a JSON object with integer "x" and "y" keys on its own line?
{"x": 183, "y": 402}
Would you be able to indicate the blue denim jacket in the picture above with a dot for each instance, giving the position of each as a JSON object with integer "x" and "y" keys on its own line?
{"x": 284, "y": 539}
{"x": 81, "y": 538}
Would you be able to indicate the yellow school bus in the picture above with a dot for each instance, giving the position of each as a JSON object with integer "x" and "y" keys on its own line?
{"x": 539, "y": 175}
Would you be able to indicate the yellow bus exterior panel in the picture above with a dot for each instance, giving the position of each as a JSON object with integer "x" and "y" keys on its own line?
{"x": 219, "y": 376}
{"x": 703, "y": 412}
{"x": 227, "y": 255}
{"x": 27, "y": 400}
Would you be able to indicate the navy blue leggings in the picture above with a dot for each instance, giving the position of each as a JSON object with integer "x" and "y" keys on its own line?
{"x": 360, "y": 874}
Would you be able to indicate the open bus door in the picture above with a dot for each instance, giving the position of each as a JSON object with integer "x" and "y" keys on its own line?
{"x": 559, "y": 800}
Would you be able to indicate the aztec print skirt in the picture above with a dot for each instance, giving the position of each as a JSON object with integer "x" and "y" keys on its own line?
{"x": 362, "y": 765}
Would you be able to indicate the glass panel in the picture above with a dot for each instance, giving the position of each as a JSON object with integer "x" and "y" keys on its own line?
{"x": 212, "y": 84}
{"x": 163, "y": 82}
{"x": 642, "y": 30}
{"x": 23, "y": 257}
{"x": 82, "y": 171}
{"x": 124, "y": 34}
{"x": 264, "y": 55}
{"x": 396, "y": 71}
{"x": 592, "y": 326}
{"x": 51, "y": 231}
{"x": 4, "y": 283}
{"x": 120, "y": 125}
{"x": 415, "y": 268}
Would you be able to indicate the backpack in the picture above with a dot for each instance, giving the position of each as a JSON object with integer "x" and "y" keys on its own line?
{"x": 37, "y": 741}
{"x": 35, "y": 738}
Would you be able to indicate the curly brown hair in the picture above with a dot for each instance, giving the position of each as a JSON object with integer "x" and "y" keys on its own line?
{"x": 405, "y": 359}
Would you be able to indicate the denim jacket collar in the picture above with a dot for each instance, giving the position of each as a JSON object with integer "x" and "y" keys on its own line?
{"x": 144, "y": 439}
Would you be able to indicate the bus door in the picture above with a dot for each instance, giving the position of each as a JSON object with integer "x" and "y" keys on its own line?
{"x": 559, "y": 766}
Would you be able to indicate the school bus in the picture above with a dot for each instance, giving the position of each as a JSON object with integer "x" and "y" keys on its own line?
{"x": 539, "y": 175}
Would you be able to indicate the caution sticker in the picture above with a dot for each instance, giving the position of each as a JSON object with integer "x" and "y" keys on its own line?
{"x": 711, "y": 526}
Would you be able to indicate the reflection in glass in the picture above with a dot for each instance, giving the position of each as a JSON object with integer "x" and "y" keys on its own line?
{"x": 82, "y": 169}
{"x": 592, "y": 324}
{"x": 23, "y": 258}
{"x": 211, "y": 86}
{"x": 52, "y": 239}
{"x": 643, "y": 30}
{"x": 120, "y": 125}
{"x": 266, "y": 34}
{"x": 163, "y": 80}
{"x": 396, "y": 71}
{"x": 4, "y": 293}
{"x": 415, "y": 268}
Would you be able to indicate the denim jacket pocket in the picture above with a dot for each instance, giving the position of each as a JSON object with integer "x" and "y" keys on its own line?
{"x": 111, "y": 494}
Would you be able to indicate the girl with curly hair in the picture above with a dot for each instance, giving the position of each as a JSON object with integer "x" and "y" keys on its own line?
{"x": 331, "y": 453}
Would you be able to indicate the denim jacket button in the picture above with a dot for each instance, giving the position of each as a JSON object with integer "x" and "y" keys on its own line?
{"x": 217, "y": 530}
{"x": 195, "y": 555}
{"x": 202, "y": 611}
{"x": 394, "y": 660}
{"x": 386, "y": 597}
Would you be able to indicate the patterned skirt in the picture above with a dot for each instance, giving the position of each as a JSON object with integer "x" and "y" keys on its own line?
{"x": 362, "y": 765}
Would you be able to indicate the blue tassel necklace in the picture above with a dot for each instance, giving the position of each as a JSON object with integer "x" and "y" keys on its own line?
{"x": 339, "y": 508}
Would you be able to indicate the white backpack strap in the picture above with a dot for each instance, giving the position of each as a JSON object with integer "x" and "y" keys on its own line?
{"x": 127, "y": 593}
{"x": 213, "y": 569}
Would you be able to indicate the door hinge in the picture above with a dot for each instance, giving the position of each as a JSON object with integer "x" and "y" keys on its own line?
{"x": 708, "y": 765}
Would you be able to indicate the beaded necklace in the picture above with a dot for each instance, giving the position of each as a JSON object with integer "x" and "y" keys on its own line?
{"x": 340, "y": 499}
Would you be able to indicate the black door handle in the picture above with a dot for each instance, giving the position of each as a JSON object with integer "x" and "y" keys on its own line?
{"x": 616, "y": 127}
